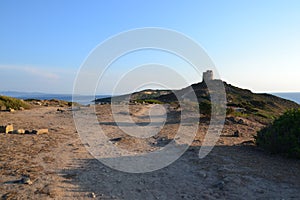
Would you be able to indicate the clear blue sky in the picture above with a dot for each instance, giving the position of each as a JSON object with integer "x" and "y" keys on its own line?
{"x": 254, "y": 44}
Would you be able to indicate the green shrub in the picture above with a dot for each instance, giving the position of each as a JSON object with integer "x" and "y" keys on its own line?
{"x": 14, "y": 103}
{"x": 283, "y": 135}
{"x": 229, "y": 111}
{"x": 150, "y": 101}
{"x": 205, "y": 108}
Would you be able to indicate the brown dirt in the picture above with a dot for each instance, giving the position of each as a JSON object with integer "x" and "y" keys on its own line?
{"x": 61, "y": 168}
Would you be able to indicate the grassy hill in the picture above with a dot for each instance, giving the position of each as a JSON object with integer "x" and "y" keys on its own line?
{"x": 145, "y": 95}
{"x": 9, "y": 102}
{"x": 262, "y": 107}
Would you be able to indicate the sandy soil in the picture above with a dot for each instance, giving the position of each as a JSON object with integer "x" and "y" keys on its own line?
{"x": 60, "y": 167}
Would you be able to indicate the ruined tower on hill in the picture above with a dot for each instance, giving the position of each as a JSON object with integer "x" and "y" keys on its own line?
{"x": 208, "y": 76}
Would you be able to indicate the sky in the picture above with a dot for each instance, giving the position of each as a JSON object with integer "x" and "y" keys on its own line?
{"x": 253, "y": 44}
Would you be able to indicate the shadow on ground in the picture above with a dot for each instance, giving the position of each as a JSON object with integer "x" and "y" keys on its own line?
{"x": 228, "y": 172}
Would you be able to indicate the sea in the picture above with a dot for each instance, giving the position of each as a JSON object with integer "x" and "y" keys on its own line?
{"x": 85, "y": 100}
{"x": 82, "y": 99}
{"x": 293, "y": 96}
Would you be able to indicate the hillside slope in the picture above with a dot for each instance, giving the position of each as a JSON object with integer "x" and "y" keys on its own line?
{"x": 9, "y": 102}
{"x": 262, "y": 107}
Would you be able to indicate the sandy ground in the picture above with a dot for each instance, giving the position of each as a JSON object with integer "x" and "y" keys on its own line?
{"x": 60, "y": 167}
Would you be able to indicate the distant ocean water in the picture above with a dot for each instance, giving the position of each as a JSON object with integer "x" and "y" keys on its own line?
{"x": 82, "y": 99}
{"x": 293, "y": 96}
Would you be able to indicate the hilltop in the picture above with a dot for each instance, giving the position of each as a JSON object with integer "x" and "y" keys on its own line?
{"x": 263, "y": 107}
{"x": 240, "y": 102}
{"x": 143, "y": 95}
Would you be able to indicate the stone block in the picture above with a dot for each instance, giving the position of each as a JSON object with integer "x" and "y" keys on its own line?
{"x": 40, "y": 131}
{"x": 9, "y": 128}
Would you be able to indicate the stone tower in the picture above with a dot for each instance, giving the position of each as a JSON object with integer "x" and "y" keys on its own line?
{"x": 208, "y": 76}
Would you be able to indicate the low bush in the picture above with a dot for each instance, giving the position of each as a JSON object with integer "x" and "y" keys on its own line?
{"x": 13, "y": 103}
{"x": 283, "y": 135}
{"x": 150, "y": 101}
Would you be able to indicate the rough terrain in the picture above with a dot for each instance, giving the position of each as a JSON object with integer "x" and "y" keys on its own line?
{"x": 60, "y": 167}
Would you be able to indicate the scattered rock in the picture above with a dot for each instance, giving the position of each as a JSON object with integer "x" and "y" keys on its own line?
{"x": 38, "y": 103}
{"x": 240, "y": 121}
{"x": 9, "y": 128}
{"x": 2, "y": 129}
{"x": 220, "y": 185}
{"x": 40, "y": 131}
{"x": 26, "y": 180}
{"x": 6, "y": 129}
{"x": 93, "y": 195}
{"x": 11, "y": 110}
{"x": 60, "y": 110}
{"x": 236, "y": 134}
{"x": 163, "y": 141}
{"x": 21, "y": 108}
{"x": 19, "y": 131}
{"x": 231, "y": 119}
{"x": 116, "y": 139}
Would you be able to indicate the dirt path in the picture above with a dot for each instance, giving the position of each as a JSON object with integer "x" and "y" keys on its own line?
{"x": 61, "y": 168}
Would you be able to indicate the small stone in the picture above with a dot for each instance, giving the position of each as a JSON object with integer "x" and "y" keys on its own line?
{"x": 60, "y": 110}
{"x": 236, "y": 134}
{"x": 9, "y": 128}
{"x": 116, "y": 139}
{"x": 93, "y": 195}
{"x": 241, "y": 122}
{"x": 231, "y": 119}
{"x": 11, "y": 110}
{"x": 40, "y": 131}
{"x": 26, "y": 180}
{"x": 21, "y": 108}
{"x": 19, "y": 131}
{"x": 220, "y": 185}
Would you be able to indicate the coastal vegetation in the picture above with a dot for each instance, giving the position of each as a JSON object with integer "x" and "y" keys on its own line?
{"x": 13, "y": 103}
{"x": 263, "y": 108}
{"x": 283, "y": 135}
